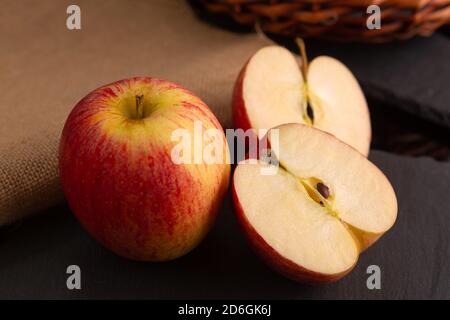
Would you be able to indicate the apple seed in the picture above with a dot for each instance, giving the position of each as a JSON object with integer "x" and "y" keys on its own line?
{"x": 323, "y": 190}
{"x": 310, "y": 112}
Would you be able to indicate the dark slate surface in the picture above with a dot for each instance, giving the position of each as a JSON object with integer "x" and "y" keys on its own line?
{"x": 413, "y": 75}
{"x": 414, "y": 256}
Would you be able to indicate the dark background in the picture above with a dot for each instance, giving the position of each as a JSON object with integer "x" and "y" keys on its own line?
{"x": 407, "y": 86}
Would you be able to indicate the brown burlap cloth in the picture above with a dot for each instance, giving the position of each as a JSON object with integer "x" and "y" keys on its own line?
{"x": 45, "y": 69}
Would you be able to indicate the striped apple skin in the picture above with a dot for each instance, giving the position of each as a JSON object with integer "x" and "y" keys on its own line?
{"x": 119, "y": 178}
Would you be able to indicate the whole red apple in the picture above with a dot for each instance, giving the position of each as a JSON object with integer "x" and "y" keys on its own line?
{"x": 119, "y": 177}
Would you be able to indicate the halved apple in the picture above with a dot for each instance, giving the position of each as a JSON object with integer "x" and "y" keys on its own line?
{"x": 271, "y": 90}
{"x": 325, "y": 204}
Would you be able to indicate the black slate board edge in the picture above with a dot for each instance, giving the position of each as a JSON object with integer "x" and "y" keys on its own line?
{"x": 372, "y": 91}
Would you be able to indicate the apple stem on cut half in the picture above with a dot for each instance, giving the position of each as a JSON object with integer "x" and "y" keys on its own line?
{"x": 139, "y": 109}
{"x": 303, "y": 56}
{"x": 304, "y": 69}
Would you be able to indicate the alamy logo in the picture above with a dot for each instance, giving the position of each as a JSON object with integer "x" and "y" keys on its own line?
{"x": 73, "y": 21}
{"x": 374, "y": 280}
{"x": 374, "y": 20}
{"x": 74, "y": 280}
{"x": 200, "y": 146}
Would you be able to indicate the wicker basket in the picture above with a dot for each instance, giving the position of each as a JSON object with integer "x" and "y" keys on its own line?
{"x": 342, "y": 20}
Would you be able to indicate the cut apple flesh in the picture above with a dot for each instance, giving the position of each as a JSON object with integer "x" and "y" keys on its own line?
{"x": 274, "y": 92}
{"x": 324, "y": 206}
{"x": 362, "y": 195}
{"x": 282, "y": 212}
{"x": 273, "y": 88}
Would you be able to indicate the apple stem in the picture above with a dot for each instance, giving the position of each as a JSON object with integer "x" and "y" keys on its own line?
{"x": 303, "y": 56}
{"x": 139, "y": 99}
{"x": 304, "y": 70}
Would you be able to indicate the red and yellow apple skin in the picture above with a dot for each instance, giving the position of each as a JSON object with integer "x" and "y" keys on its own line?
{"x": 276, "y": 261}
{"x": 119, "y": 178}
{"x": 241, "y": 119}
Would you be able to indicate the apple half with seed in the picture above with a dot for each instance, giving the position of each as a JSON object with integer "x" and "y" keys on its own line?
{"x": 273, "y": 89}
{"x": 323, "y": 207}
